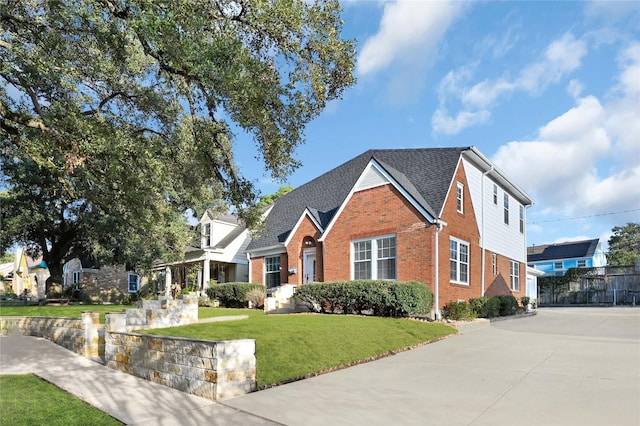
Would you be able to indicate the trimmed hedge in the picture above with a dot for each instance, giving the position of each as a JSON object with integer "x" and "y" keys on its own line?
{"x": 378, "y": 297}
{"x": 483, "y": 307}
{"x": 233, "y": 295}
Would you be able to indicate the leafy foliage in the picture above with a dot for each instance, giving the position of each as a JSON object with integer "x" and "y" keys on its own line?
{"x": 234, "y": 295}
{"x": 485, "y": 307}
{"x": 269, "y": 199}
{"x": 117, "y": 117}
{"x": 381, "y": 298}
{"x": 458, "y": 311}
{"x": 624, "y": 245}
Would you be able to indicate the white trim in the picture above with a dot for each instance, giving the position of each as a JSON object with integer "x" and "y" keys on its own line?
{"x": 374, "y": 255}
{"x": 458, "y": 261}
{"x": 460, "y": 187}
{"x": 357, "y": 188}
{"x": 299, "y": 222}
{"x": 267, "y": 251}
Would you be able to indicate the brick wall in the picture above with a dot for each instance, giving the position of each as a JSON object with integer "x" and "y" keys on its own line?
{"x": 295, "y": 252}
{"x": 461, "y": 226}
{"x": 375, "y": 212}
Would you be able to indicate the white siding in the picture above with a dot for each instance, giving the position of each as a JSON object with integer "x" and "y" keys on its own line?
{"x": 495, "y": 235}
{"x": 370, "y": 178}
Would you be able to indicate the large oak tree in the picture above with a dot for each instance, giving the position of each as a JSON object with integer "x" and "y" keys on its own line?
{"x": 116, "y": 116}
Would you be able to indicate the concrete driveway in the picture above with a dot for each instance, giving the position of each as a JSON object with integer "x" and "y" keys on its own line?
{"x": 565, "y": 366}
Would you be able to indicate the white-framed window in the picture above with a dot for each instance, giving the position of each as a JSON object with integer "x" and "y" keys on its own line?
{"x": 272, "y": 271}
{"x": 521, "y": 219}
{"x": 515, "y": 275}
{"x": 375, "y": 259}
{"x": 134, "y": 283}
{"x": 506, "y": 208}
{"x": 495, "y": 194}
{"x": 458, "y": 261}
{"x": 582, "y": 263}
{"x": 206, "y": 233}
{"x": 460, "y": 197}
{"x": 494, "y": 264}
{"x": 77, "y": 275}
{"x": 557, "y": 265}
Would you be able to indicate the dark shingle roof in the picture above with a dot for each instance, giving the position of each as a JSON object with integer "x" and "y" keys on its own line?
{"x": 424, "y": 173}
{"x": 558, "y": 251}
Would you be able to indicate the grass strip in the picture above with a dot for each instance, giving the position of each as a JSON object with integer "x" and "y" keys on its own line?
{"x": 294, "y": 346}
{"x": 28, "y": 400}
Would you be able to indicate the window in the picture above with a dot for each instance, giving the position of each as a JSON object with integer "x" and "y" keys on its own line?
{"x": 521, "y": 219}
{"x": 515, "y": 276}
{"x": 375, "y": 259}
{"x": 206, "y": 233}
{"x": 582, "y": 263}
{"x": 272, "y": 271}
{"x": 76, "y": 277}
{"x": 495, "y": 194}
{"x": 460, "y": 197}
{"x": 557, "y": 265}
{"x": 506, "y": 209}
{"x": 494, "y": 263}
{"x": 459, "y": 261}
{"x": 134, "y": 283}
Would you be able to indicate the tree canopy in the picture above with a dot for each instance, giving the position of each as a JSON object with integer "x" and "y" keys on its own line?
{"x": 265, "y": 200}
{"x": 624, "y": 245}
{"x": 116, "y": 117}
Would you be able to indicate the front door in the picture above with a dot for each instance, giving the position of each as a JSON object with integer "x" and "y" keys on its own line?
{"x": 309, "y": 266}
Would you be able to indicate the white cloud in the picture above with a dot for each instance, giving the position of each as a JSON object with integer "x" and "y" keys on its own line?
{"x": 561, "y": 57}
{"x": 585, "y": 162}
{"x": 575, "y": 88}
{"x": 408, "y": 30}
{"x": 444, "y": 124}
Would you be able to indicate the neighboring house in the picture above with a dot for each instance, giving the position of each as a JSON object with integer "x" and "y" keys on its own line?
{"x": 221, "y": 256}
{"x": 102, "y": 283}
{"x": 556, "y": 259}
{"x": 25, "y": 273}
{"x": 447, "y": 217}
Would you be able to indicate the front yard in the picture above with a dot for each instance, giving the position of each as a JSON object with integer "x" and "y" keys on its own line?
{"x": 288, "y": 347}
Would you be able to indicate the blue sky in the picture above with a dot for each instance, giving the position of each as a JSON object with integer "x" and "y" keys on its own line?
{"x": 550, "y": 91}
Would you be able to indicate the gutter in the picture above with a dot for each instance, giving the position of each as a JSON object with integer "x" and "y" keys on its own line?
{"x": 436, "y": 287}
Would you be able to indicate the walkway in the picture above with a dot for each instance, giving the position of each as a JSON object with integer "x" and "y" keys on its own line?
{"x": 129, "y": 399}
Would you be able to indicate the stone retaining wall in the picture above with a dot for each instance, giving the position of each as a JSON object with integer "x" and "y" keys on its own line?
{"x": 210, "y": 369}
{"x": 84, "y": 336}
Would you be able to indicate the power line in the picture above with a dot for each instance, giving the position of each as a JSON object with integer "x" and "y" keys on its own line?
{"x": 583, "y": 217}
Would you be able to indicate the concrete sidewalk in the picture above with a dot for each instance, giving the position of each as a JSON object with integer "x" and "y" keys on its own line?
{"x": 129, "y": 399}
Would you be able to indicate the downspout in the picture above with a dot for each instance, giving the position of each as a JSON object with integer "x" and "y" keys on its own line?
{"x": 249, "y": 260}
{"x": 482, "y": 230}
{"x": 436, "y": 287}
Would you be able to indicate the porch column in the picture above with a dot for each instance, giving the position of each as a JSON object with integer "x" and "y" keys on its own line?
{"x": 206, "y": 273}
{"x": 167, "y": 281}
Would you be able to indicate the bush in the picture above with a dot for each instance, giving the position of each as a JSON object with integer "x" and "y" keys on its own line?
{"x": 232, "y": 295}
{"x": 458, "y": 311}
{"x": 485, "y": 307}
{"x": 256, "y": 296}
{"x": 378, "y": 297}
{"x": 525, "y": 301}
{"x": 508, "y": 305}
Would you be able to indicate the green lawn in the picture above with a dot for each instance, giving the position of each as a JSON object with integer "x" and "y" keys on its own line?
{"x": 71, "y": 311}
{"x": 289, "y": 347}
{"x": 28, "y": 400}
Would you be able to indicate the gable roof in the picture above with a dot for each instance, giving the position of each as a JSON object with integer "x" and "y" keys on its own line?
{"x": 424, "y": 173}
{"x": 570, "y": 250}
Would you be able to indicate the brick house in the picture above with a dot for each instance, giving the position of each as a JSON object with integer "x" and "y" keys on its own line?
{"x": 447, "y": 217}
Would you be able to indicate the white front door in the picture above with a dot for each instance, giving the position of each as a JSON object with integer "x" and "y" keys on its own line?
{"x": 309, "y": 266}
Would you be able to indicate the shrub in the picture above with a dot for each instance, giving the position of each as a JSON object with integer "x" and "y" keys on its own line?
{"x": 256, "y": 296}
{"x": 508, "y": 305}
{"x": 232, "y": 295}
{"x": 381, "y": 298}
{"x": 485, "y": 307}
{"x": 525, "y": 301}
{"x": 459, "y": 311}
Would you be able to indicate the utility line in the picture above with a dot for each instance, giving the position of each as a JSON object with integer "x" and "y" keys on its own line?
{"x": 582, "y": 217}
